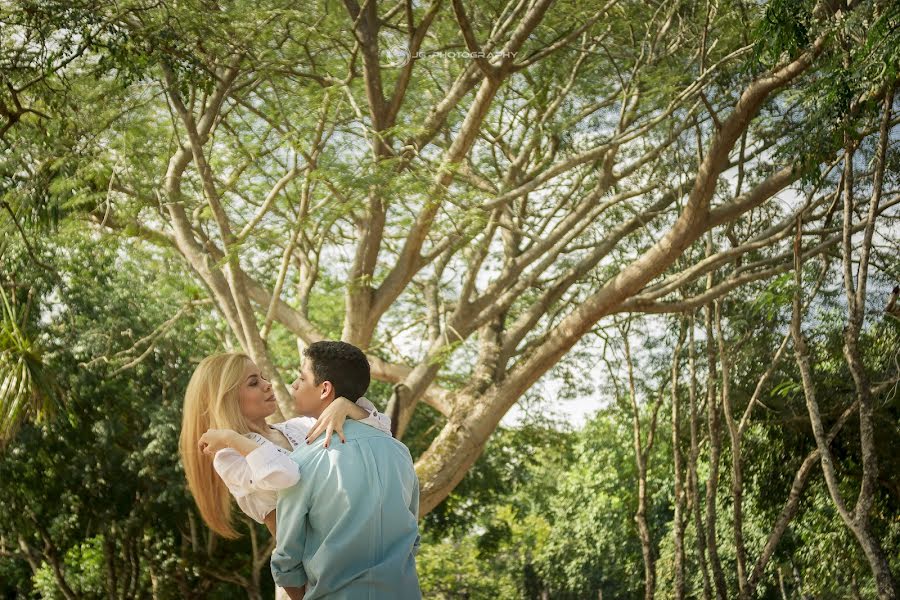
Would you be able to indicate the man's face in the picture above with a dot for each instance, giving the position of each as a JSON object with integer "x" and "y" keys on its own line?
{"x": 309, "y": 398}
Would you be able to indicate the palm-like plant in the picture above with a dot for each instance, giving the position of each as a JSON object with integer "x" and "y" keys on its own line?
{"x": 26, "y": 387}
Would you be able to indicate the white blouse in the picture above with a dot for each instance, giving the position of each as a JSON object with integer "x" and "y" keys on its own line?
{"x": 254, "y": 480}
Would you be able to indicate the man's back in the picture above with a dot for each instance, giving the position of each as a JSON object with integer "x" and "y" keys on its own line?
{"x": 349, "y": 528}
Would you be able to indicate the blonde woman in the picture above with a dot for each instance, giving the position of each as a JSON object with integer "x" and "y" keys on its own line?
{"x": 228, "y": 449}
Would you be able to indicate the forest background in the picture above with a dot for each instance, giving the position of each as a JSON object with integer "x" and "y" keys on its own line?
{"x": 687, "y": 209}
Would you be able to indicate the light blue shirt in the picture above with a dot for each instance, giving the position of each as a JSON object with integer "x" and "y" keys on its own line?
{"x": 349, "y": 529}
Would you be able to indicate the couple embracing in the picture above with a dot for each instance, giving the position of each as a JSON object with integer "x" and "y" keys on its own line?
{"x": 343, "y": 507}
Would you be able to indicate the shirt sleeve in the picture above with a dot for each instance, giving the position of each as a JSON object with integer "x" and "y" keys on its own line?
{"x": 263, "y": 469}
{"x": 290, "y": 523}
{"x": 272, "y": 470}
{"x": 234, "y": 471}
{"x": 375, "y": 419}
{"x": 414, "y": 509}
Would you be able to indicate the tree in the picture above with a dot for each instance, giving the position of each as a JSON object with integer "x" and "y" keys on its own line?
{"x": 95, "y": 502}
{"x": 26, "y": 390}
{"x": 857, "y": 519}
{"x": 553, "y": 181}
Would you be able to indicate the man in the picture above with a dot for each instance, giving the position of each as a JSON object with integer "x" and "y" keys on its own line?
{"x": 349, "y": 529}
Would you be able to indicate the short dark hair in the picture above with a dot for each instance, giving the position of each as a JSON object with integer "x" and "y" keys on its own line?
{"x": 343, "y": 364}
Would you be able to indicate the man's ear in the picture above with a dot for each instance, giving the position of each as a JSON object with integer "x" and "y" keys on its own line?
{"x": 327, "y": 390}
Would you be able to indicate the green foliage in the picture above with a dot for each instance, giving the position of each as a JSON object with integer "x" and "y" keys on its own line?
{"x": 527, "y": 458}
{"x": 100, "y": 483}
{"x": 772, "y": 300}
{"x": 543, "y": 510}
{"x": 487, "y": 538}
{"x": 562, "y": 521}
{"x": 855, "y": 73}
{"x": 26, "y": 389}
{"x": 454, "y": 569}
{"x": 84, "y": 566}
{"x": 783, "y": 32}
{"x": 87, "y": 133}
{"x": 593, "y": 544}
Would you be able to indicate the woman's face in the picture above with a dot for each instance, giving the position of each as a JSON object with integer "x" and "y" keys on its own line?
{"x": 257, "y": 398}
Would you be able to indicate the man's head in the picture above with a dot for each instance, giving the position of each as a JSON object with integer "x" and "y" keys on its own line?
{"x": 330, "y": 370}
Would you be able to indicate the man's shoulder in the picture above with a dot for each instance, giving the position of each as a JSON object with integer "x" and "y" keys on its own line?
{"x": 373, "y": 437}
{"x": 362, "y": 441}
{"x": 357, "y": 431}
{"x": 359, "y": 437}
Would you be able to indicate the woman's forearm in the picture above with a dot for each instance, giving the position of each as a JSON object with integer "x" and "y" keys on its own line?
{"x": 270, "y": 522}
{"x": 357, "y": 413}
{"x": 218, "y": 439}
{"x": 243, "y": 445}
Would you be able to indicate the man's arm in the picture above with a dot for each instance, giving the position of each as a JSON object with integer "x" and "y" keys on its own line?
{"x": 414, "y": 509}
{"x": 287, "y": 560}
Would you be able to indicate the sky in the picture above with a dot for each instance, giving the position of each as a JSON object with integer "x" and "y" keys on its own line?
{"x": 546, "y": 399}
{"x": 574, "y": 412}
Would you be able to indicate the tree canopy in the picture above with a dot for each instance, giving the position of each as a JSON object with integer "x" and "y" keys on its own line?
{"x": 483, "y": 197}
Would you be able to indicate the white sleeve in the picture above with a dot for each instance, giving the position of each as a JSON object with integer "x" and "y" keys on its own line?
{"x": 263, "y": 469}
{"x": 234, "y": 471}
{"x": 375, "y": 419}
{"x": 272, "y": 470}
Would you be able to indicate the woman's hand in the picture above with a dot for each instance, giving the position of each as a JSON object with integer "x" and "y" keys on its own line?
{"x": 332, "y": 420}
{"x": 215, "y": 439}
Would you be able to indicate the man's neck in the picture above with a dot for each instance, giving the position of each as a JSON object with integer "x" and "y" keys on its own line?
{"x": 318, "y": 412}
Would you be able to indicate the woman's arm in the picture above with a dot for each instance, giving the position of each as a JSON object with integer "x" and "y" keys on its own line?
{"x": 216, "y": 439}
{"x": 247, "y": 467}
{"x": 332, "y": 419}
{"x": 264, "y": 469}
{"x": 270, "y": 523}
{"x": 375, "y": 419}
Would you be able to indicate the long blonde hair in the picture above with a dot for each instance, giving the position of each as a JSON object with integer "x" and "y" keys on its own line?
{"x": 212, "y": 400}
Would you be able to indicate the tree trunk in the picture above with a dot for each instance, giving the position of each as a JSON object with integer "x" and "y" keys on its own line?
{"x": 109, "y": 552}
{"x": 715, "y": 434}
{"x": 641, "y": 457}
{"x": 693, "y": 457}
{"x": 791, "y": 504}
{"x": 678, "y": 518}
{"x": 858, "y": 526}
{"x": 737, "y": 478}
{"x": 462, "y": 440}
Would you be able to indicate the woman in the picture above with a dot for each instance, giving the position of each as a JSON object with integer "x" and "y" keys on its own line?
{"x": 227, "y": 447}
